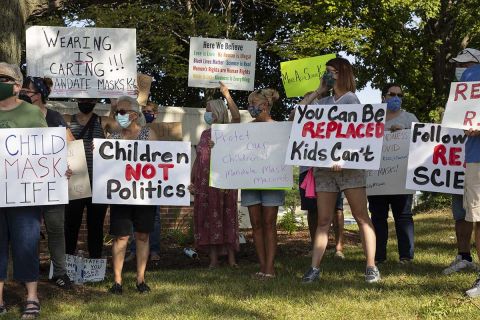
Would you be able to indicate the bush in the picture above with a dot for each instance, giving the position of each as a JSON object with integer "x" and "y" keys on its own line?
{"x": 288, "y": 222}
{"x": 433, "y": 201}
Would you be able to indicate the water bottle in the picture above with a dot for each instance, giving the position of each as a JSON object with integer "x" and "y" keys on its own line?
{"x": 79, "y": 269}
{"x": 189, "y": 252}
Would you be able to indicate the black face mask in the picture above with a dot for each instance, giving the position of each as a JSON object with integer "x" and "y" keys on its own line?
{"x": 25, "y": 97}
{"x": 86, "y": 107}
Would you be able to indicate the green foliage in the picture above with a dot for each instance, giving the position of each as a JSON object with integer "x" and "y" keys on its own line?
{"x": 288, "y": 222}
{"x": 433, "y": 201}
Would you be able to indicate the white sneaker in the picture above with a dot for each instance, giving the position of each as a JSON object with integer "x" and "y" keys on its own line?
{"x": 475, "y": 290}
{"x": 458, "y": 265}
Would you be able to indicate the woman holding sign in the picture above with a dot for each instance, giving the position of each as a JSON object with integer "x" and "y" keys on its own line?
{"x": 339, "y": 77}
{"x": 124, "y": 218}
{"x": 215, "y": 210}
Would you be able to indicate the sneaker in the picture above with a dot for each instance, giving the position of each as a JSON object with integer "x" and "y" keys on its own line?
{"x": 458, "y": 265}
{"x": 116, "y": 289}
{"x": 142, "y": 287}
{"x": 63, "y": 282}
{"x": 475, "y": 290}
{"x": 130, "y": 257}
{"x": 405, "y": 261}
{"x": 372, "y": 275}
{"x": 339, "y": 255}
{"x": 311, "y": 275}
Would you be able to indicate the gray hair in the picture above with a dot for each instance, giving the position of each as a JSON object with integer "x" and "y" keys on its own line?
{"x": 135, "y": 107}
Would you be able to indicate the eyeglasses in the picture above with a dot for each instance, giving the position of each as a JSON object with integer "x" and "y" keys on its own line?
{"x": 6, "y": 79}
{"x": 123, "y": 112}
{"x": 393, "y": 94}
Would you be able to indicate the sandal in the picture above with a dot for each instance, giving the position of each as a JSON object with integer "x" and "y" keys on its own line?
{"x": 31, "y": 312}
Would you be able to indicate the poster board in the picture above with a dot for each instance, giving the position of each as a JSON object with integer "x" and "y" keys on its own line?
{"x": 79, "y": 183}
{"x": 463, "y": 106}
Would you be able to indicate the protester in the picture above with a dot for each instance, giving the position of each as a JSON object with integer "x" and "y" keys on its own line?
{"x": 215, "y": 210}
{"x": 38, "y": 89}
{"x": 19, "y": 226}
{"x": 401, "y": 204}
{"x": 329, "y": 181}
{"x": 124, "y": 218}
{"x": 467, "y": 58}
{"x": 87, "y": 125}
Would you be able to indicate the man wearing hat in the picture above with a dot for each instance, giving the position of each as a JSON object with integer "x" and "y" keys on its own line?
{"x": 19, "y": 226}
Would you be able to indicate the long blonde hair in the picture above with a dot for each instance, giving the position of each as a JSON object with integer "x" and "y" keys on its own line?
{"x": 219, "y": 110}
{"x": 264, "y": 95}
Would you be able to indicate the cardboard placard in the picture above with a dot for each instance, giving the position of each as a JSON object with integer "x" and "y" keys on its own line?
{"x": 167, "y": 131}
{"x": 79, "y": 182}
{"x": 144, "y": 85}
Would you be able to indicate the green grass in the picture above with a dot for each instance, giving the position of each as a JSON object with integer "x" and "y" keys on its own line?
{"x": 417, "y": 291}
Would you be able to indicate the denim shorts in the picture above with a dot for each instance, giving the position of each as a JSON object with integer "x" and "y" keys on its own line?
{"x": 457, "y": 207}
{"x": 267, "y": 198}
{"x": 327, "y": 180}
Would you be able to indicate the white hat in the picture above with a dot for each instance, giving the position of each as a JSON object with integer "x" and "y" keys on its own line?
{"x": 467, "y": 55}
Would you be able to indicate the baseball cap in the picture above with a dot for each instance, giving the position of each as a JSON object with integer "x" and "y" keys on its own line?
{"x": 467, "y": 55}
{"x": 11, "y": 71}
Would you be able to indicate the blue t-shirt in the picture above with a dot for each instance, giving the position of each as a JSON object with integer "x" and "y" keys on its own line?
{"x": 472, "y": 147}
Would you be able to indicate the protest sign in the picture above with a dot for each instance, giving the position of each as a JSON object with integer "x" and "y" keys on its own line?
{"x": 303, "y": 75}
{"x": 250, "y": 155}
{"x": 436, "y": 159}
{"x": 390, "y": 178}
{"x": 144, "y": 85}
{"x": 141, "y": 172}
{"x": 34, "y": 162}
{"x": 167, "y": 131}
{"x": 79, "y": 182}
{"x": 463, "y": 106}
{"x": 82, "y": 270}
{"x": 84, "y": 62}
{"x": 230, "y": 61}
{"x": 348, "y": 135}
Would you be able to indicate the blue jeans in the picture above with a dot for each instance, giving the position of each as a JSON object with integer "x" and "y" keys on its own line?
{"x": 154, "y": 235}
{"x": 402, "y": 214}
{"x": 20, "y": 226}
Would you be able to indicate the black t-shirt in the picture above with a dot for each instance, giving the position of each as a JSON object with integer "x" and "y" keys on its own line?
{"x": 55, "y": 119}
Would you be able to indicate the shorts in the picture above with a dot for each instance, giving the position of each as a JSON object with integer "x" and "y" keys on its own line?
{"x": 471, "y": 197}
{"x": 127, "y": 218}
{"x": 310, "y": 204}
{"x": 327, "y": 180}
{"x": 457, "y": 207}
{"x": 267, "y": 198}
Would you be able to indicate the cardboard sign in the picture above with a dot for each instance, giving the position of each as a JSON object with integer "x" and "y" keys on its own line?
{"x": 463, "y": 106}
{"x": 436, "y": 159}
{"x": 167, "y": 131}
{"x": 230, "y": 61}
{"x": 84, "y": 62}
{"x": 82, "y": 270}
{"x": 390, "y": 178}
{"x": 349, "y": 135}
{"x": 79, "y": 182}
{"x": 303, "y": 75}
{"x": 33, "y": 165}
{"x": 141, "y": 172}
{"x": 144, "y": 85}
{"x": 250, "y": 155}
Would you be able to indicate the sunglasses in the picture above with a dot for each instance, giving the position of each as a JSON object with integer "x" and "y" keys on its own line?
{"x": 393, "y": 94}
{"x": 123, "y": 112}
{"x": 6, "y": 79}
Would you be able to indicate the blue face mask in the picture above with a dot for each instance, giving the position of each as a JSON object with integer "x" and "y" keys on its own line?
{"x": 124, "y": 121}
{"x": 254, "y": 111}
{"x": 208, "y": 117}
{"x": 394, "y": 103}
{"x": 149, "y": 117}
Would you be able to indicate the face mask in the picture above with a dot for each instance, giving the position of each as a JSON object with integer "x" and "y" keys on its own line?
{"x": 25, "y": 97}
{"x": 149, "y": 117}
{"x": 86, "y": 107}
{"x": 208, "y": 117}
{"x": 254, "y": 111}
{"x": 394, "y": 103}
{"x": 459, "y": 72}
{"x": 328, "y": 79}
{"x": 124, "y": 121}
{"x": 6, "y": 90}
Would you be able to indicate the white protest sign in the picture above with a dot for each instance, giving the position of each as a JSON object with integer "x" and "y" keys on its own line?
{"x": 250, "y": 155}
{"x": 436, "y": 159}
{"x": 349, "y": 135}
{"x": 230, "y": 61}
{"x": 81, "y": 270}
{"x": 463, "y": 106}
{"x": 79, "y": 182}
{"x": 141, "y": 172}
{"x": 390, "y": 178}
{"x": 84, "y": 62}
{"x": 33, "y": 165}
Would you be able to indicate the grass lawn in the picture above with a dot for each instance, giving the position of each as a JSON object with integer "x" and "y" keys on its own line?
{"x": 417, "y": 291}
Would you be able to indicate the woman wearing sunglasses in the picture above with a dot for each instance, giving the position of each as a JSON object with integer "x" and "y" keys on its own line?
{"x": 125, "y": 218}
{"x": 401, "y": 204}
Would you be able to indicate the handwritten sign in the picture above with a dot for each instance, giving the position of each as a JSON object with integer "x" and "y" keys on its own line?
{"x": 79, "y": 182}
{"x": 349, "y": 135}
{"x": 144, "y": 85}
{"x": 390, "y": 178}
{"x": 33, "y": 164}
{"x": 141, "y": 172}
{"x": 84, "y": 62}
{"x": 250, "y": 155}
{"x": 463, "y": 106}
{"x": 436, "y": 159}
{"x": 303, "y": 75}
{"x": 82, "y": 270}
{"x": 167, "y": 131}
{"x": 213, "y": 60}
